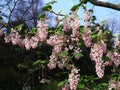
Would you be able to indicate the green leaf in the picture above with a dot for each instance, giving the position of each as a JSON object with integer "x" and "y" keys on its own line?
{"x": 41, "y": 16}
{"x": 33, "y": 31}
{"x": 19, "y": 27}
{"x": 38, "y": 62}
{"x": 47, "y": 8}
{"x": 81, "y": 86}
{"x": 52, "y": 2}
{"x": 75, "y": 7}
{"x": 84, "y": 1}
{"x": 78, "y": 54}
{"x": 105, "y": 58}
{"x": 104, "y": 84}
{"x": 104, "y": 21}
{"x": 94, "y": 36}
{"x": 22, "y": 66}
{"x": 33, "y": 70}
{"x": 90, "y": 10}
{"x": 86, "y": 80}
{"x": 61, "y": 83}
{"x": 64, "y": 53}
{"x": 93, "y": 18}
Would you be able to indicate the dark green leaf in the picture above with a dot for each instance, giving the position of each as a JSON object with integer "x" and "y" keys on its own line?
{"x": 84, "y": 1}
{"x": 61, "y": 83}
{"x": 47, "y": 8}
{"x": 91, "y": 11}
{"x": 41, "y": 16}
{"x": 75, "y": 7}
{"x": 52, "y": 2}
{"x": 93, "y": 18}
{"x": 38, "y": 62}
{"x": 86, "y": 80}
{"x": 81, "y": 86}
{"x": 105, "y": 58}
{"x": 104, "y": 84}
{"x": 22, "y": 66}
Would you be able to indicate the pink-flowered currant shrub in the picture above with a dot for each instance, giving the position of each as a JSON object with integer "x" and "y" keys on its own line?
{"x": 70, "y": 39}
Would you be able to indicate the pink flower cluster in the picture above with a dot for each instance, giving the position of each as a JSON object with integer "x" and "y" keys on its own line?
{"x": 28, "y": 42}
{"x": 72, "y": 24}
{"x": 116, "y": 58}
{"x": 87, "y": 18}
{"x": 114, "y": 85}
{"x": 56, "y": 41}
{"x": 73, "y": 79}
{"x": 56, "y": 60}
{"x": 96, "y": 54}
{"x": 65, "y": 87}
{"x": 42, "y": 30}
{"x": 13, "y": 37}
{"x": 75, "y": 24}
{"x": 115, "y": 55}
{"x": 87, "y": 15}
{"x": 67, "y": 24}
{"x": 77, "y": 50}
{"x": 53, "y": 60}
{"x": 86, "y": 36}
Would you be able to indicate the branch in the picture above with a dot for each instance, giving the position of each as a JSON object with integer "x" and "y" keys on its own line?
{"x": 105, "y": 4}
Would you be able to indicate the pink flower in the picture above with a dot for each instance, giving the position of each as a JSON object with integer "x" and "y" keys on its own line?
{"x": 27, "y": 43}
{"x": 66, "y": 25}
{"x": 65, "y": 87}
{"x": 56, "y": 20}
{"x": 7, "y": 38}
{"x": 53, "y": 60}
{"x": 96, "y": 55}
{"x": 87, "y": 15}
{"x": 73, "y": 79}
{"x": 86, "y": 36}
{"x": 34, "y": 41}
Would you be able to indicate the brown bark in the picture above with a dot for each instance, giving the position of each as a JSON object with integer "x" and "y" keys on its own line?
{"x": 105, "y": 4}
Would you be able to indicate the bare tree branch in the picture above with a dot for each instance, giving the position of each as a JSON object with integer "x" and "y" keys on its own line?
{"x": 105, "y": 4}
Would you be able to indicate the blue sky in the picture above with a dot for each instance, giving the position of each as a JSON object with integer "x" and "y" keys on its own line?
{"x": 100, "y": 12}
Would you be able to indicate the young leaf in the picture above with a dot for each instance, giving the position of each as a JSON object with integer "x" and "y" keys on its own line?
{"x": 94, "y": 36}
{"x": 64, "y": 53}
{"x": 19, "y": 27}
{"x": 78, "y": 54}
